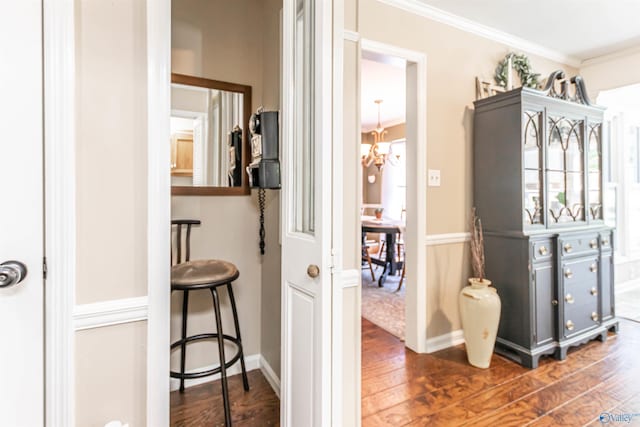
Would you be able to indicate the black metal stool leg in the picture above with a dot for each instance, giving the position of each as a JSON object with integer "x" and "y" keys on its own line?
{"x": 183, "y": 345}
{"x": 223, "y": 368}
{"x": 245, "y": 379}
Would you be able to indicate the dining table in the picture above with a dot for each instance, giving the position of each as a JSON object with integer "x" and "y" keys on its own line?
{"x": 390, "y": 228}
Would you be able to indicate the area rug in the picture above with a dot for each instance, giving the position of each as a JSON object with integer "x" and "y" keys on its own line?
{"x": 384, "y": 306}
{"x": 627, "y": 303}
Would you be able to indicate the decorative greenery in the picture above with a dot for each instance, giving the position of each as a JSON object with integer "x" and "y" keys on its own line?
{"x": 521, "y": 64}
{"x": 477, "y": 246}
{"x": 379, "y": 210}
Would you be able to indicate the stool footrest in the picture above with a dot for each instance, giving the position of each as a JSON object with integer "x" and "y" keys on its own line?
{"x": 216, "y": 370}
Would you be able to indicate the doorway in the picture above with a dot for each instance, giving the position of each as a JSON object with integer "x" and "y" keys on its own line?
{"x": 383, "y": 204}
{"x": 413, "y": 211}
{"x": 223, "y": 74}
{"x": 622, "y": 191}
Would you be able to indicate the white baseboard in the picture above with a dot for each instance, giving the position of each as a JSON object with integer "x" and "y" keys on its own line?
{"x": 270, "y": 375}
{"x": 444, "y": 341}
{"x": 251, "y": 362}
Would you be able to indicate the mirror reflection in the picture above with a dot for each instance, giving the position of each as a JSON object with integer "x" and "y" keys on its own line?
{"x": 208, "y": 124}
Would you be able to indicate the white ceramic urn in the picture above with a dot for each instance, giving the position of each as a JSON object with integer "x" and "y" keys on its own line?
{"x": 480, "y": 314}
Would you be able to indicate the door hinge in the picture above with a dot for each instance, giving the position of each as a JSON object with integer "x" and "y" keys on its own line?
{"x": 44, "y": 268}
{"x": 335, "y": 254}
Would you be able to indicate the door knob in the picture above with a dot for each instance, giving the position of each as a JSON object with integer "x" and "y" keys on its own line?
{"x": 313, "y": 271}
{"x": 12, "y": 273}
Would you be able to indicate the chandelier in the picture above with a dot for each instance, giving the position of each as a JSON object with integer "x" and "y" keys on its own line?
{"x": 377, "y": 152}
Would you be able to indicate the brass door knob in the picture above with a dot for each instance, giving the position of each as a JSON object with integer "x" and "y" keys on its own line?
{"x": 594, "y": 316}
{"x": 568, "y": 273}
{"x": 569, "y": 299}
{"x": 570, "y": 325}
{"x": 605, "y": 242}
{"x": 593, "y": 244}
{"x": 543, "y": 250}
{"x": 593, "y": 267}
{"x": 313, "y": 271}
{"x": 594, "y": 291}
{"x": 568, "y": 247}
{"x": 554, "y": 302}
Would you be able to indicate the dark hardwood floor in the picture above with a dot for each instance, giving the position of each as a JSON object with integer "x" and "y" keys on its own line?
{"x": 201, "y": 405}
{"x": 400, "y": 387}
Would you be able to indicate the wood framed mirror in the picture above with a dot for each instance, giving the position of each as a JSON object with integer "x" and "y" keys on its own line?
{"x": 208, "y": 154}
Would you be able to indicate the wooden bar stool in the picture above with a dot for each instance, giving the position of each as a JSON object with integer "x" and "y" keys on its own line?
{"x": 199, "y": 275}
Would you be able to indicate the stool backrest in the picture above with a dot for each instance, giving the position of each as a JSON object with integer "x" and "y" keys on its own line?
{"x": 180, "y": 223}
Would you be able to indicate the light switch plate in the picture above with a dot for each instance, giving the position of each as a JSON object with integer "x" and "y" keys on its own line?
{"x": 434, "y": 177}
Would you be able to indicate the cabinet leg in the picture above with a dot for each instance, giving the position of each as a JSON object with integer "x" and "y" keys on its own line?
{"x": 561, "y": 353}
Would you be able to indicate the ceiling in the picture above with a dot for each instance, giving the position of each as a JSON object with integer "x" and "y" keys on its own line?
{"x": 385, "y": 81}
{"x": 582, "y": 29}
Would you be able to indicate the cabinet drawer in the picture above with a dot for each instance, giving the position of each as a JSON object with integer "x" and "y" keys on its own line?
{"x": 542, "y": 250}
{"x": 578, "y": 318}
{"x": 580, "y": 271}
{"x": 578, "y": 245}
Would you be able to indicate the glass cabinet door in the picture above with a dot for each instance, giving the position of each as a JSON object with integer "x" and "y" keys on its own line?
{"x": 594, "y": 165}
{"x": 532, "y": 149}
{"x": 565, "y": 170}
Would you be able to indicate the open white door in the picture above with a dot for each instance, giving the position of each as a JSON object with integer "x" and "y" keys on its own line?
{"x": 306, "y": 213}
{"x": 21, "y": 214}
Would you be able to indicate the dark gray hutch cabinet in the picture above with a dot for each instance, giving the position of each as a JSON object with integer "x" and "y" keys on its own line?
{"x": 538, "y": 170}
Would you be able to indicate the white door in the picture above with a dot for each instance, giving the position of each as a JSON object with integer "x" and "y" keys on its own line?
{"x": 21, "y": 213}
{"x": 306, "y": 214}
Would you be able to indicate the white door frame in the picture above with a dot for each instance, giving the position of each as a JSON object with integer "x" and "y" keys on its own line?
{"x": 415, "y": 236}
{"x": 60, "y": 210}
{"x": 158, "y": 210}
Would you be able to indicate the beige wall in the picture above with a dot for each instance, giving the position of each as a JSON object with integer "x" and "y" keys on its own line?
{"x": 236, "y": 42}
{"x": 111, "y": 150}
{"x": 111, "y": 380}
{"x": 610, "y": 72}
{"x": 111, "y": 159}
{"x": 454, "y": 59}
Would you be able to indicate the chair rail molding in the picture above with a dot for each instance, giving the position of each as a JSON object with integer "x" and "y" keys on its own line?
{"x": 109, "y": 313}
{"x": 351, "y": 36}
{"x": 419, "y": 8}
{"x": 60, "y": 209}
{"x": 447, "y": 238}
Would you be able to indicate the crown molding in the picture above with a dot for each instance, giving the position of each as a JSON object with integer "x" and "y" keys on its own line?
{"x": 416, "y": 7}
{"x": 634, "y": 50}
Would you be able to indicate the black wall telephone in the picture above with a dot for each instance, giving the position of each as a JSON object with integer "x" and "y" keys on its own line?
{"x": 264, "y": 169}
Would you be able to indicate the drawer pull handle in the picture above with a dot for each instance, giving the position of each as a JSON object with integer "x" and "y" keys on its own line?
{"x": 554, "y": 302}
{"x": 593, "y": 244}
{"x": 605, "y": 242}
{"x": 569, "y": 299}
{"x": 568, "y": 248}
{"x": 594, "y": 291}
{"x": 593, "y": 267}
{"x": 543, "y": 250}
{"x": 594, "y": 316}
{"x": 568, "y": 273}
{"x": 570, "y": 325}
